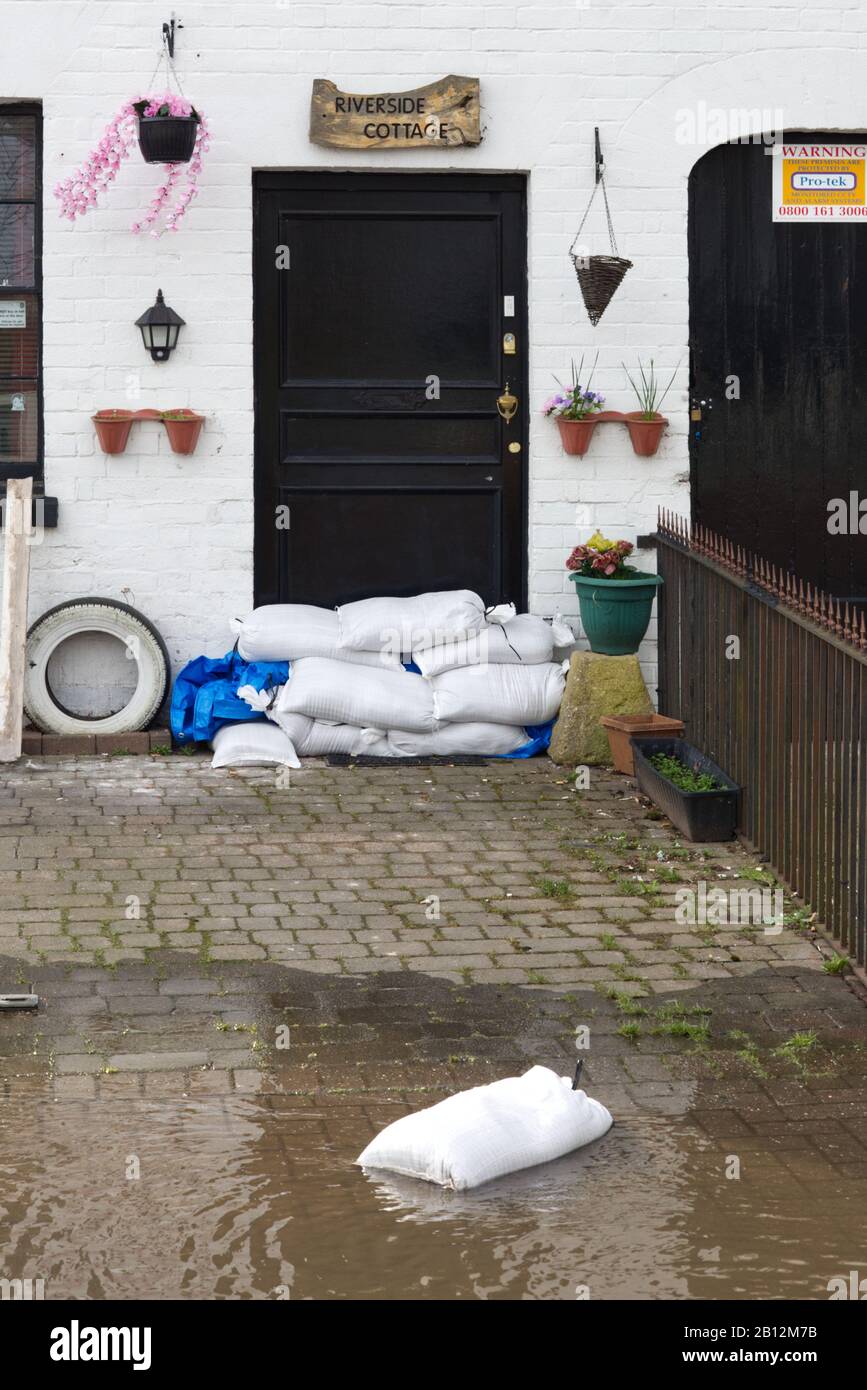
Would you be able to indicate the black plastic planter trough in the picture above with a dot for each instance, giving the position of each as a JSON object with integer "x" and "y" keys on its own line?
{"x": 699, "y": 816}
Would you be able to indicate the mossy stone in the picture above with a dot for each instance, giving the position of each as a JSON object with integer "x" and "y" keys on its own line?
{"x": 595, "y": 685}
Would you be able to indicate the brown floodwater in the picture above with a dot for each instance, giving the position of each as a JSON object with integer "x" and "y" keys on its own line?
{"x": 259, "y": 1198}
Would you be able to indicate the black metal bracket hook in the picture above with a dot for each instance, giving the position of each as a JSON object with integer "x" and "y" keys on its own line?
{"x": 169, "y": 36}
{"x": 600, "y": 162}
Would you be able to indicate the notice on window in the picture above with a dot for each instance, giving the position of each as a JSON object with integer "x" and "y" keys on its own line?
{"x": 13, "y": 313}
{"x": 819, "y": 183}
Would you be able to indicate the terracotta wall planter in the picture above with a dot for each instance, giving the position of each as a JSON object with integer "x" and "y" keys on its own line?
{"x": 112, "y": 429}
{"x": 645, "y": 434}
{"x": 183, "y": 428}
{"x": 575, "y": 435}
{"x": 622, "y": 728}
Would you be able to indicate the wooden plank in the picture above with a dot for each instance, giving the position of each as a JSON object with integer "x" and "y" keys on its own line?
{"x": 441, "y": 115}
{"x": 13, "y": 615}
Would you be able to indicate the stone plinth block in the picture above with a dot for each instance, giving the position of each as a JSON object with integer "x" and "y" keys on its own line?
{"x": 595, "y": 685}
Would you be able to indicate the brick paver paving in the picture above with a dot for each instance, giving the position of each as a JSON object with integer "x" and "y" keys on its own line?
{"x": 360, "y": 942}
{"x": 155, "y": 901}
{"x": 500, "y": 874}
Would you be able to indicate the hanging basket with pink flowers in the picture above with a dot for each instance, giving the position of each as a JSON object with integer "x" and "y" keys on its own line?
{"x": 170, "y": 131}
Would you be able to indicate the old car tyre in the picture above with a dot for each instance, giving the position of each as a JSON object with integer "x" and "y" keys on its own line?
{"x": 103, "y": 615}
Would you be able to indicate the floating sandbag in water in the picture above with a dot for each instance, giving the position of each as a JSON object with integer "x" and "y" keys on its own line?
{"x": 296, "y": 630}
{"x": 402, "y": 624}
{"x": 499, "y": 694}
{"x": 359, "y": 695}
{"x": 489, "y": 1131}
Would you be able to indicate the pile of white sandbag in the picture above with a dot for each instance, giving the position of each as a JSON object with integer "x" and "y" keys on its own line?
{"x": 482, "y": 676}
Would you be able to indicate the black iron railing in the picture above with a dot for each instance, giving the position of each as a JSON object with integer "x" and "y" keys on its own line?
{"x": 770, "y": 677}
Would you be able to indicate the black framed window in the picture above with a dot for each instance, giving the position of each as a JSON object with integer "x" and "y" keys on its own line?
{"x": 20, "y": 291}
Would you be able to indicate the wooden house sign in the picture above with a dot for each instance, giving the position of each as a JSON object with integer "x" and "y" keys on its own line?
{"x": 443, "y": 114}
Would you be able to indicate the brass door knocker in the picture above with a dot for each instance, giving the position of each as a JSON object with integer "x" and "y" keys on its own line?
{"x": 507, "y": 404}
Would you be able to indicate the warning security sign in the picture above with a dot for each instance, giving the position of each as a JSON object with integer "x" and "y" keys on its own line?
{"x": 819, "y": 183}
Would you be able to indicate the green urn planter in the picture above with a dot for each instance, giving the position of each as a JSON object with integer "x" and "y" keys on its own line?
{"x": 615, "y": 612}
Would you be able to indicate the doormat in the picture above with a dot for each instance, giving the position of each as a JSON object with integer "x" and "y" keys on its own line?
{"x": 436, "y": 760}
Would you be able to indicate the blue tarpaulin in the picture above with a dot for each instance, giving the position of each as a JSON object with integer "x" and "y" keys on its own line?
{"x": 539, "y": 736}
{"x": 204, "y": 697}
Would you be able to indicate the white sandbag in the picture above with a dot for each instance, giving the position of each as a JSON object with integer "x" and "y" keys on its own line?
{"x": 288, "y": 631}
{"x": 489, "y": 1131}
{"x": 323, "y": 738}
{"x": 314, "y": 738}
{"x": 298, "y": 727}
{"x": 499, "y": 694}
{"x": 524, "y": 640}
{"x": 561, "y": 632}
{"x": 402, "y": 624}
{"x": 359, "y": 695}
{"x": 484, "y": 740}
{"x": 236, "y": 745}
{"x": 295, "y": 726}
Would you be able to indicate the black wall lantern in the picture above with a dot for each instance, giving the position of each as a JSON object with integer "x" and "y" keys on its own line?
{"x": 160, "y": 327}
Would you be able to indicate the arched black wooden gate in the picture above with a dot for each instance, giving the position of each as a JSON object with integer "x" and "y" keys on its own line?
{"x": 778, "y": 346}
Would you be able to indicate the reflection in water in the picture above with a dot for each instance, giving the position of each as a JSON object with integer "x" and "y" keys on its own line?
{"x": 259, "y": 1198}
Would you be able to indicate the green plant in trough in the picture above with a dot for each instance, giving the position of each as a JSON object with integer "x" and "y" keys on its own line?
{"x": 682, "y": 776}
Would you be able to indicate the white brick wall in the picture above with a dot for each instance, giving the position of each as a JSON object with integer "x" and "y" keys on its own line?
{"x": 174, "y": 536}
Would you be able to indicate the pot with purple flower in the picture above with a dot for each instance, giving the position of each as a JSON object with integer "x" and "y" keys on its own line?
{"x": 575, "y": 408}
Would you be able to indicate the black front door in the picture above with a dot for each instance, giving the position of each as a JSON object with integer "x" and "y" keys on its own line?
{"x": 382, "y": 304}
{"x": 778, "y": 338}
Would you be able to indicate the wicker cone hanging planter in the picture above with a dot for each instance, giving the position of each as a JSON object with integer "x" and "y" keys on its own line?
{"x": 598, "y": 276}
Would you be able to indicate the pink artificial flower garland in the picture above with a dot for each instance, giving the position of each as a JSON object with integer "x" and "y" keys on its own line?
{"x": 78, "y": 193}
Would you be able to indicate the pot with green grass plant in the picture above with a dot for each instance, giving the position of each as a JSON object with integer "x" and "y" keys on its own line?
{"x": 575, "y": 408}
{"x": 112, "y": 429}
{"x": 696, "y": 795}
{"x": 646, "y": 424}
{"x": 183, "y": 428}
{"x": 615, "y": 598}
